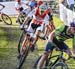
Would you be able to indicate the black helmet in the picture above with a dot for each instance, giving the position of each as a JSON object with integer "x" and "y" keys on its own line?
{"x": 72, "y": 24}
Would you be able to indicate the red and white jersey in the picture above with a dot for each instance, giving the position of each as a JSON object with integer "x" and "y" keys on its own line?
{"x": 39, "y": 18}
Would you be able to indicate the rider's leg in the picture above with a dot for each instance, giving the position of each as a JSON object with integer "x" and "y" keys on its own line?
{"x": 25, "y": 42}
{"x": 36, "y": 36}
{"x": 19, "y": 10}
{"x": 43, "y": 58}
{"x": 48, "y": 50}
{"x": 37, "y": 33}
{"x": 46, "y": 31}
{"x": 49, "y": 27}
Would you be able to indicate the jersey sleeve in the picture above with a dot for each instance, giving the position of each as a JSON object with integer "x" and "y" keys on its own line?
{"x": 59, "y": 30}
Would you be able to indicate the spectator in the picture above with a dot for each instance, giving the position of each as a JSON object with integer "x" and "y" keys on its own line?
{"x": 71, "y": 4}
{"x": 63, "y": 11}
{"x": 18, "y": 8}
{"x": 64, "y": 2}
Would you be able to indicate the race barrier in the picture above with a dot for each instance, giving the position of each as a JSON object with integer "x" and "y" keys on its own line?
{"x": 10, "y": 7}
{"x": 66, "y": 15}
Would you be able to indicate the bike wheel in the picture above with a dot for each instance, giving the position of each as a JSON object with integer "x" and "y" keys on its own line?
{"x": 6, "y": 19}
{"x": 21, "y": 41}
{"x": 60, "y": 65}
{"x": 44, "y": 66}
{"x": 23, "y": 57}
{"x": 36, "y": 63}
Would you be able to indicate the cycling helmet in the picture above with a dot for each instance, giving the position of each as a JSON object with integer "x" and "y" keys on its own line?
{"x": 32, "y": 4}
{"x": 43, "y": 7}
{"x": 72, "y": 24}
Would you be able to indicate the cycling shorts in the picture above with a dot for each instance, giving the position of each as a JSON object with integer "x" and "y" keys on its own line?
{"x": 60, "y": 45}
{"x": 33, "y": 27}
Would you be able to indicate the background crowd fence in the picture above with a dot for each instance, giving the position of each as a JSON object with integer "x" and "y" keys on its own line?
{"x": 66, "y": 15}
{"x": 63, "y": 13}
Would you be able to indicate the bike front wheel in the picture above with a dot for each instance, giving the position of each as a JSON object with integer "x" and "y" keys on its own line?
{"x": 6, "y": 19}
{"x": 60, "y": 65}
{"x": 23, "y": 57}
{"x": 22, "y": 50}
{"x": 21, "y": 41}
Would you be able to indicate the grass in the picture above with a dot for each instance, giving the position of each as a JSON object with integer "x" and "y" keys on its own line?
{"x": 9, "y": 36}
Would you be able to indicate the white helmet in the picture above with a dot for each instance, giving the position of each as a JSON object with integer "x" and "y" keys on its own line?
{"x": 43, "y": 7}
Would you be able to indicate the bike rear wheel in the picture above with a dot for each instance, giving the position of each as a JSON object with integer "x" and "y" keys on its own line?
{"x": 36, "y": 63}
{"x": 6, "y": 19}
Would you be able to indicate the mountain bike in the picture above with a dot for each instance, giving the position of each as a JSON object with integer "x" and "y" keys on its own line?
{"x": 27, "y": 47}
{"x": 54, "y": 62}
{"x": 4, "y": 17}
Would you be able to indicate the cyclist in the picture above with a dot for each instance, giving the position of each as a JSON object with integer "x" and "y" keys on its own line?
{"x": 57, "y": 38}
{"x": 40, "y": 16}
{"x": 19, "y": 8}
{"x": 28, "y": 7}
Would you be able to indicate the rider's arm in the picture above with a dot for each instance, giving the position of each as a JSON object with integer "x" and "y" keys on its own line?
{"x": 26, "y": 20}
{"x": 51, "y": 36}
{"x": 48, "y": 18}
{"x": 51, "y": 22}
{"x": 29, "y": 16}
{"x": 56, "y": 32}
